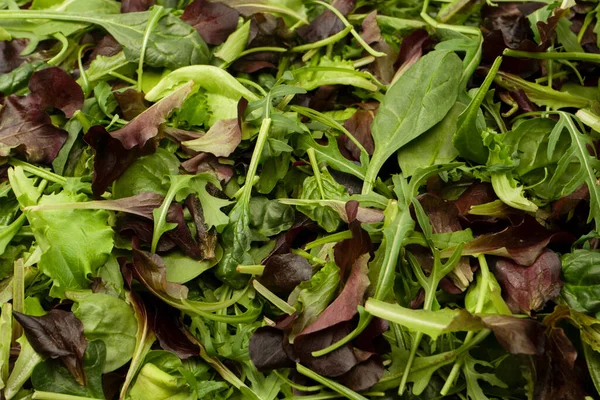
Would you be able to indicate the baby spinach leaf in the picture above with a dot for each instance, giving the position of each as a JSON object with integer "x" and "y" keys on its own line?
{"x": 50, "y": 376}
{"x": 434, "y": 146}
{"x": 416, "y": 102}
{"x": 315, "y": 188}
{"x": 581, "y": 282}
{"x": 270, "y": 217}
{"x": 110, "y": 320}
{"x": 172, "y": 44}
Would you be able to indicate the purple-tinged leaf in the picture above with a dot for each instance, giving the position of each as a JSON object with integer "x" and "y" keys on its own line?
{"x": 131, "y": 102}
{"x": 284, "y": 272}
{"x": 345, "y": 306}
{"x": 327, "y": 23}
{"x": 58, "y": 334}
{"x": 205, "y": 162}
{"x": 370, "y": 30}
{"x": 213, "y": 21}
{"x": 359, "y": 125}
{"x": 10, "y": 54}
{"x": 221, "y": 139}
{"x": 207, "y": 240}
{"x": 27, "y": 130}
{"x": 411, "y": 49}
{"x": 517, "y": 335}
{"x": 172, "y": 335}
{"x": 128, "y": 6}
{"x": 54, "y": 88}
{"x": 111, "y": 158}
{"x": 523, "y": 243}
{"x": 348, "y": 251}
{"x": 267, "y": 349}
{"x": 146, "y": 125}
{"x": 527, "y": 289}
{"x": 364, "y": 375}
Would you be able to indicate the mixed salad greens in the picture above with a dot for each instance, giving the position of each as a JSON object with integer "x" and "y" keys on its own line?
{"x": 362, "y": 199}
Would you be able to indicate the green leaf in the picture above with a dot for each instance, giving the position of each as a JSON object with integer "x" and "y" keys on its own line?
{"x": 70, "y": 253}
{"x": 5, "y": 342}
{"x": 472, "y": 376}
{"x": 52, "y": 376}
{"x": 592, "y": 358}
{"x": 431, "y": 323}
{"x": 235, "y": 44}
{"x": 152, "y": 383}
{"x": 211, "y": 205}
{"x": 434, "y": 146}
{"x": 330, "y": 153}
{"x": 23, "y": 368}
{"x": 333, "y": 71}
{"x": 467, "y": 139}
{"x": 14, "y": 80}
{"x": 110, "y": 320}
{"x": 182, "y": 269}
{"x": 223, "y": 91}
{"x": 315, "y": 295}
{"x": 172, "y": 43}
{"x": 270, "y": 217}
{"x": 326, "y": 217}
{"x": 147, "y": 174}
{"x": 581, "y": 289}
{"x": 104, "y": 95}
{"x": 415, "y": 103}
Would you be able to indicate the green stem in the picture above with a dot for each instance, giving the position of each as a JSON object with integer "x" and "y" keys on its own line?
{"x": 82, "y": 73}
{"x": 361, "y": 62}
{"x": 251, "y": 269}
{"x": 37, "y": 171}
{"x": 272, "y": 9}
{"x": 336, "y": 237}
{"x": 323, "y": 42}
{"x": 303, "y": 388}
{"x": 577, "y": 56}
{"x": 122, "y": 77}
{"x": 261, "y": 49}
{"x": 263, "y": 135}
{"x": 309, "y": 257}
{"x": 65, "y": 46}
{"x": 483, "y": 291}
{"x": 276, "y": 301}
{"x": 58, "y": 396}
{"x": 337, "y": 387}
{"x": 358, "y": 38}
{"x": 155, "y": 16}
{"x": 315, "y": 167}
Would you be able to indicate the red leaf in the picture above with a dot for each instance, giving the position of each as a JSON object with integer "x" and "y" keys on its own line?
{"x": 58, "y": 334}
{"x": 145, "y": 126}
{"x": 128, "y": 6}
{"x": 327, "y": 23}
{"x": 213, "y": 21}
{"x": 344, "y": 307}
{"x": 284, "y": 272}
{"x": 527, "y": 289}
{"x": 111, "y": 158}
{"x": 523, "y": 243}
{"x": 359, "y": 125}
{"x": 29, "y": 131}
{"x": 54, "y": 88}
